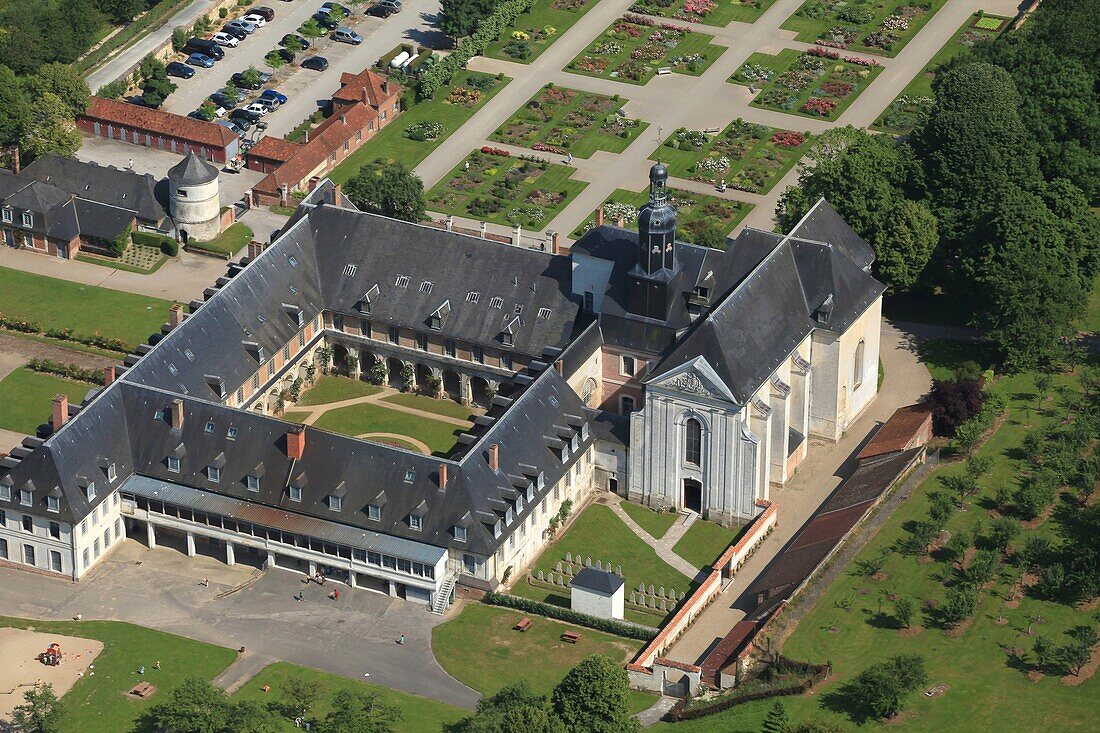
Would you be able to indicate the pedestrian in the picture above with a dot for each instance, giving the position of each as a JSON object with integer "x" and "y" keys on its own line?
{"x": 131, "y": 163}
{"x": 401, "y": 639}
{"x": 335, "y": 595}
{"x": 156, "y": 665}
{"x": 206, "y": 582}
{"x": 467, "y": 165}
{"x": 78, "y": 616}
{"x": 300, "y": 596}
{"x": 569, "y": 159}
{"x": 142, "y": 670}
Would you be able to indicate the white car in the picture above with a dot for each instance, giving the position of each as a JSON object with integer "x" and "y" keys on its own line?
{"x": 259, "y": 108}
{"x": 257, "y": 20}
{"x": 219, "y": 112}
{"x": 224, "y": 39}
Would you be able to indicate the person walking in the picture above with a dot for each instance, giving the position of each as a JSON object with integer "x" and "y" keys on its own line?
{"x": 300, "y": 596}
{"x": 401, "y": 639}
{"x": 206, "y": 582}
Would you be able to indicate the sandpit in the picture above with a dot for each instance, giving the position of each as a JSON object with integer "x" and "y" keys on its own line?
{"x": 20, "y": 668}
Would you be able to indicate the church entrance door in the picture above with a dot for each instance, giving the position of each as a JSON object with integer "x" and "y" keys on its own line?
{"x": 693, "y": 496}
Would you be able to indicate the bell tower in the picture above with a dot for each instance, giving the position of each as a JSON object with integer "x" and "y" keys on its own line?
{"x": 651, "y": 279}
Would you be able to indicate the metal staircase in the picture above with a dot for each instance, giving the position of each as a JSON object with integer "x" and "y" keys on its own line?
{"x": 442, "y": 598}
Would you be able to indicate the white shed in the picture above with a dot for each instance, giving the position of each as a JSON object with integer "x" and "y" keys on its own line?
{"x": 598, "y": 593}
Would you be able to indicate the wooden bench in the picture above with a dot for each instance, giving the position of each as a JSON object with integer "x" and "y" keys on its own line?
{"x": 571, "y": 636}
{"x": 523, "y": 625}
{"x": 711, "y": 130}
{"x": 663, "y": 70}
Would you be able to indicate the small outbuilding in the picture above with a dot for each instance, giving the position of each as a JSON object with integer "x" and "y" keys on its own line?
{"x": 598, "y": 593}
{"x": 193, "y": 199}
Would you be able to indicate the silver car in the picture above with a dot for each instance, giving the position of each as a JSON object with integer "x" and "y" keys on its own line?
{"x": 346, "y": 35}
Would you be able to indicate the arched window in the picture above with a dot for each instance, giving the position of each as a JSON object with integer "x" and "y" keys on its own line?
{"x": 857, "y": 366}
{"x": 693, "y": 442}
{"x": 587, "y": 390}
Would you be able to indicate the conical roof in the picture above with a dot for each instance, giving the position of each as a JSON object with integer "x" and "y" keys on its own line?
{"x": 192, "y": 171}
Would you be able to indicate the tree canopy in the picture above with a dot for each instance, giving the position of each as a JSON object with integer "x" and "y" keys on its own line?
{"x": 883, "y": 688}
{"x": 391, "y": 190}
{"x": 40, "y": 712}
{"x": 593, "y": 697}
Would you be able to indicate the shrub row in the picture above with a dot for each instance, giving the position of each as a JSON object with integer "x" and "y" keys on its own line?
{"x": 22, "y": 325}
{"x": 970, "y": 432}
{"x": 69, "y": 371}
{"x": 609, "y": 626}
{"x": 167, "y": 245}
{"x": 501, "y": 19}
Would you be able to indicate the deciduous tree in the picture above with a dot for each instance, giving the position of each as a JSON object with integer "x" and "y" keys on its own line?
{"x": 50, "y": 129}
{"x": 391, "y": 190}
{"x": 592, "y": 698}
{"x": 40, "y": 712}
{"x": 883, "y": 688}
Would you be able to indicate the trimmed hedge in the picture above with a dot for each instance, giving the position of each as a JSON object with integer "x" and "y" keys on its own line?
{"x": 167, "y": 245}
{"x": 609, "y": 626}
{"x": 69, "y": 371}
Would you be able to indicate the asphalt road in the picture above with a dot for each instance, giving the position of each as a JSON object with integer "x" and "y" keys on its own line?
{"x": 306, "y": 88}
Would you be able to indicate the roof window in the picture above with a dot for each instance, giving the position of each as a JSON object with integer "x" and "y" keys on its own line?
{"x": 496, "y": 303}
{"x": 349, "y": 269}
{"x": 426, "y": 286}
{"x": 402, "y": 281}
{"x": 544, "y": 314}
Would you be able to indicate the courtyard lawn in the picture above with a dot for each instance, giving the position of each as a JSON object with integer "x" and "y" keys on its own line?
{"x": 295, "y": 416}
{"x": 479, "y": 648}
{"x": 704, "y": 542}
{"x": 451, "y": 107}
{"x": 504, "y": 190}
{"x": 811, "y": 86}
{"x": 709, "y": 12}
{"x": 449, "y": 408}
{"x": 86, "y": 309}
{"x": 229, "y": 242}
{"x": 98, "y": 703}
{"x": 747, "y": 156}
{"x": 560, "y": 120}
{"x": 417, "y": 713}
{"x": 632, "y": 52}
{"x": 543, "y": 24}
{"x": 656, "y": 523}
{"x": 697, "y": 215}
{"x": 883, "y": 28}
{"x": 916, "y": 98}
{"x": 135, "y": 258}
{"x": 26, "y": 398}
{"x": 369, "y": 418}
{"x": 332, "y": 388}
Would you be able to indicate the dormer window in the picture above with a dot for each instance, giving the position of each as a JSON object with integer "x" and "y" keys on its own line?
{"x": 252, "y": 483}
{"x": 544, "y": 314}
{"x": 508, "y": 516}
{"x": 5, "y": 492}
{"x": 410, "y": 474}
{"x": 349, "y": 270}
{"x": 173, "y": 464}
{"x": 497, "y": 529}
{"x": 26, "y": 498}
{"x": 496, "y": 303}
{"x": 460, "y": 534}
{"x": 111, "y": 473}
{"x": 7, "y": 215}
{"x": 473, "y": 297}
{"x": 540, "y": 482}
{"x": 295, "y": 493}
{"x": 231, "y": 433}
{"x": 209, "y": 427}
{"x": 426, "y": 286}
{"x": 402, "y": 281}
{"x": 89, "y": 491}
{"x": 213, "y": 474}
{"x": 507, "y": 339}
{"x": 519, "y": 503}
{"x": 530, "y": 492}
{"x": 416, "y": 522}
{"x": 28, "y": 219}
{"x": 335, "y": 503}
{"x": 53, "y": 504}
{"x": 374, "y": 512}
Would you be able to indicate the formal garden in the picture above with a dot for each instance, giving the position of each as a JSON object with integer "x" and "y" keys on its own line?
{"x": 422, "y": 127}
{"x": 492, "y": 185}
{"x": 536, "y": 29}
{"x": 635, "y": 47}
{"x": 745, "y": 156}
{"x": 701, "y": 219}
{"x": 560, "y": 120}
{"x": 880, "y": 27}
{"x": 821, "y": 82}
{"x": 709, "y": 12}
{"x": 916, "y": 98}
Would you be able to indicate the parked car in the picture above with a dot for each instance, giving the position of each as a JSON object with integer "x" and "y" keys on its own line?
{"x": 206, "y": 47}
{"x": 347, "y": 35}
{"x": 330, "y": 5}
{"x": 265, "y": 12}
{"x": 316, "y": 63}
{"x": 234, "y": 31}
{"x": 302, "y": 40}
{"x": 325, "y": 21}
{"x": 197, "y": 115}
{"x": 395, "y": 5}
{"x": 255, "y": 19}
{"x": 257, "y": 107}
{"x": 223, "y": 100}
{"x": 200, "y": 59}
{"x": 285, "y": 54}
{"x": 243, "y": 24}
{"x": 183, "y": 71}
{"x": 273, "y": 94}
{"x": 268, "y": 104}
{"x": 233, "y": 126}
{"x": 380, "y": 11}
{"x": 225, "y": 39}
{"x": 240, "y": 82}
{"x": 245, "y": 114}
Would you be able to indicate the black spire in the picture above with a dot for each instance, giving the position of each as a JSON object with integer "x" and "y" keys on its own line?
{"x": 657, "y": 225}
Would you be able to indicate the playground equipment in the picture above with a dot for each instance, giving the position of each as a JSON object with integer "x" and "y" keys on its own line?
{"x": 52, "y": 656}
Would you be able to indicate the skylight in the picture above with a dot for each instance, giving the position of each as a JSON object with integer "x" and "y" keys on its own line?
{"x": 473, "y": 297}
{"x": 349, "y": 269}
{"x": 544, "y": 314}
{"x": 496, "y": 303}
{"x": 426, "y": 286}
{"x": 402, "y": 281}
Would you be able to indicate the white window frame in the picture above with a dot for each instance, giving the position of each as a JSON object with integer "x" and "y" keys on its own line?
{"x": 295, "y": 492}
{"x": 416, "y": 522}
{"x": 623, "y": 371}
{"x": 173, "y": 464}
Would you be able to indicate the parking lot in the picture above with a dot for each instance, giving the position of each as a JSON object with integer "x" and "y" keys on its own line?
{"x": 304, "y": 87}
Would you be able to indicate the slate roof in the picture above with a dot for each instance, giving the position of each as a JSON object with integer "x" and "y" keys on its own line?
{"x": 192, "y": 171}
{"x": 823, "y": 224}
{"x": 600, "y": 581}
{"x": 102, "y": 184}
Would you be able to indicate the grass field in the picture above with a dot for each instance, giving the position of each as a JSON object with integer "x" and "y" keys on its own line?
{"x": 86, "y": 309}
{"x": 479, "y": 648}
{"x": 559, "y": 15}
{"x": 704, "y": 542}
{"x": 390, "y": 144}
{"x": 570, "y": 120}
{"x": 724, "y": 11}
{"x": 449, "y": 408}
{"x": 695, "y": 213}
{"x": 417, "y": 713}
{"x": 1091, "y": 321}
{"x": 98, "y": 703}
{"x": 656, "y": 523}
{"x": 368, "y": 418}
{"x": 26, "y": 398}
{"x": 612, "y": 54}
{"x": 861, "y": 25}
{"x": 229, "y": 242}
{"x": 331, "y": 388}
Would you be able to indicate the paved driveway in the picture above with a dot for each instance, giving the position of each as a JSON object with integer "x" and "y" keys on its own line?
{"x": 163, "y": 589}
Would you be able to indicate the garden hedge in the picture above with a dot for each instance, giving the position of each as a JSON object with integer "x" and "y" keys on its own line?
{"x": 609, "y": 626}
{"x": 167, "y": 245}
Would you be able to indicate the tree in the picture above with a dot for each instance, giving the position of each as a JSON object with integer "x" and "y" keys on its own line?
{"x": 121, "y": 12}
{"x": 50, "y": 129}
{"x": 15, "y": 111}
{"x": 1046, "y": 653}
{"x": 1036, "y": 493}
{"x": 64, "y": 81}
{"x": 180, "y": 36}
{"x": 252, "y": 76}
{"x": 301, "y": 695}
{"x": 960, "y": 603}
{"x": 1003, "y": 531}
{"x": 274, "y": 59}
{"x": 155, "y": 84}
{"x": 883, "y": 687}
{"x": 904, "y": 611}
{"x": 40, "y": 713}
{"x": 777, "y": 720}
{"x": 953, "y": 403}
{"x": 252, "y": 717}
{"x": 592, "y": 698}
{"x": 515, "y": 708}
{"x": 391, "y": 190}
{"x": 983, "y": 566}
{"x": 1043, "y": 382}
{"x": 460, "y": 18}
{"x": 1076, "y": 654}
{"x": 357, "y": 712}
{"x": 294, "y": 45}
{"x": 196, "y": 706}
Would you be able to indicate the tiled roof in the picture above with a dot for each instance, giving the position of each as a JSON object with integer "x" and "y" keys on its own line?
{"x": 899, "y": 432}
{"x": 274, "y": 148}
{"x": 155, "y": 120}
{"x": 353, "y": 87}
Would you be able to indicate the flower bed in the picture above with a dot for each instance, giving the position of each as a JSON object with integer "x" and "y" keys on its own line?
{"x": 745, "y": 156}
{"x": 537, "y": 29}
{"x": 701, "y": 219}
{"x": 880, "y": 28}
{"x": 817, "y": 83}
{"x": 710, "y": 12}
{"x": 634, "y": 47}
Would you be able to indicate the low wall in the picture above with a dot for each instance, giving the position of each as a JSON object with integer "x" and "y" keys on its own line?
{"x": 736, "y": 554}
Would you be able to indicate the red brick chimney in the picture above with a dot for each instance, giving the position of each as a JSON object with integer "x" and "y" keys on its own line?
{"x": 254, "y": 249}
{"x": 175, "y": 315}
{"x": 60, "y": 411}
{"x": 16, "y": 166}
{"x": 296, "y": 442}
{"x": 494, "y": 456}
{"x": 555, "y": 243}
{"x": 599, "y": 217}
{"x": 337, "y": 195}
{"x": 108, "y": 375}
{"x": 442, "y": 476}
{"x": 559, "y": 367}
{"x": 177, "y": 414}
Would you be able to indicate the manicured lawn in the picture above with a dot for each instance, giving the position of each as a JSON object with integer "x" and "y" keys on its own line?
{"x": 26, "y": 398}
{"x": 747, "y": 156}
{"x": 543, "y": 24}
{"x": 656, "y": 523}
{"x": 294, "y": 416}
{"x": 611, "y": 55}
{"x": 229, "y": 242}
{"x": 417, "y": 713}
{"x": 811, "y": 86}
{"x": 916, "y": 97}
{"x": 448, "y": 108}
{"x": 695, "y": 212}
{"x": 97, "y": 703}
{"x": 568, "y": 120}
{"x": 704, "y": 542}
{"x": 450, "y": 408}
{"x": 332, "y": 388}
{"x": 1091, "y": 321}
{"x": 369, "y": 418}
{"x": 505, "y": 190}
{"x": 480, "y": 649}
{"x": 136, "y": 258}
{"x": 86, "y": 309}
{"x": 882, "y": 28}
{"x": 709, "y": 12}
